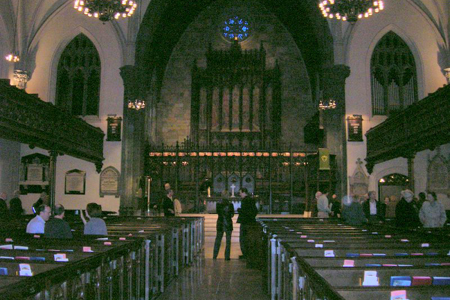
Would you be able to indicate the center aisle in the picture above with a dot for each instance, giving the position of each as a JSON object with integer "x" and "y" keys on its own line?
{"x": 217, "y": 279}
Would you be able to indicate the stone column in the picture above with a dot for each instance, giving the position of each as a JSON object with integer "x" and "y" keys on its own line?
{"x": 52, "y": 178}
{"x": 410, "y": 159}
{"x": 334, "y": 121}
{"x": 133, "y": 143}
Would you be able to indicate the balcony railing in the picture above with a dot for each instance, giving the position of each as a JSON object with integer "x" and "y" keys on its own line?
{"x": 27, "y": 119}
{"x": 423, "y": 125}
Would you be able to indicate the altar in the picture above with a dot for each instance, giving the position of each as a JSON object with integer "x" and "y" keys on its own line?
{"x": 212, "y": 201}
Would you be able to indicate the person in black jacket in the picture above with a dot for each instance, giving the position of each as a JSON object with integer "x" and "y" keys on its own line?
{"x": 406, "y": 211}
{"x": 169, "y": 210}
{"x": 225, "y": 210}
{"x": 247, "y": 215}
{"x": 15, "y": 205}
{"x": 375, "y": 211}
{"x": 3, "y": 207}
{"x": 57, "y": 228}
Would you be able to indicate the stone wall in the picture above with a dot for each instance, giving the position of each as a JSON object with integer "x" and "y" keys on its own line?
{"x": 174, "y": 107}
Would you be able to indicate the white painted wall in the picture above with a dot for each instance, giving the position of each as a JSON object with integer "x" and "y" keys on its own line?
{"x": 413, "y": 26}
{"x": 45, "y": 51}
{"x": 53, "y": 24}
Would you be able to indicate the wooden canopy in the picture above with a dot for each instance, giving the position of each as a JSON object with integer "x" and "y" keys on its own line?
{"x": 27, "y": 119}
{"x": 423, "y": 125}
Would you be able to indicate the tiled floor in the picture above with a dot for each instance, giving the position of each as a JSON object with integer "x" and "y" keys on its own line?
{"x": 216, "y": 280}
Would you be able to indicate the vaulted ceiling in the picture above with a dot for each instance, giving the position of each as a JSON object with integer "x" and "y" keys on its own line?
{"x": 165, "y": 21}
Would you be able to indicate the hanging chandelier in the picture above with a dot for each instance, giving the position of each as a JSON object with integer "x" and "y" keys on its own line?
{"x": 106, "y": 10}
{"x": 327, "y": 104}
{"x": 136, "y": 104}
{"x": 12, "y": 57}
{"x": 350, "y": 10}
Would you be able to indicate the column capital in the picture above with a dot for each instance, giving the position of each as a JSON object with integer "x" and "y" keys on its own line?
{"x": 129, "y": 76}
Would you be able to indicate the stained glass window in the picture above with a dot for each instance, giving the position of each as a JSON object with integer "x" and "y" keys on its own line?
{"x": 78, "y": 78}
{"x": 236, "y": 28}
{"x": 393, "y": 75}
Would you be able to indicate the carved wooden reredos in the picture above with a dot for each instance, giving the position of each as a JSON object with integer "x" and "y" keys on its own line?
{"x": 236, "y": 101}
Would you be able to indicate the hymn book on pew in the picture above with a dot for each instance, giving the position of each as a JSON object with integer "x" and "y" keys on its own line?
{"x": 398, "y": 295}
{"x": 17, "y": 247}
{"x": 421, "y": 280}
{"x": 439, "y": 280}
{"x": 7, "y": 257}
{"x": 400, "y": 280}
{"x": 349, "y": 263}
{"x": 370, "y": 278}
{"x": 25, "y": 270}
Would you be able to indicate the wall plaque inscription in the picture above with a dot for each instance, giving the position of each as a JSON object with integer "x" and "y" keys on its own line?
{"x": 354, "y": 124}
{"x": 75, "y": 182}
{"x": 109, "y": 182}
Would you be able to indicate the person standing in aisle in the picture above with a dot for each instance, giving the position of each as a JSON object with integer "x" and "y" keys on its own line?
{"x": 247, "y": 215}
{"x": 225, "y": 210}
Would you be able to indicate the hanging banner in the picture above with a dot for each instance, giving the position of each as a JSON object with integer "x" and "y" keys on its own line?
{"x": 354, "y": 125}
{"x": 324, "y": 159}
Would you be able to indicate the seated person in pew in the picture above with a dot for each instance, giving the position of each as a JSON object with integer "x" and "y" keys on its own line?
{"x": 15, "y": 205}
{"x": 432, "y": 213}
{"x": 352, "y": 212}
{"x": 57, "y": 228}
{"x": 37, "y": 224}
{"x": 95, "y": 225}
{"x": 3, "y": 206}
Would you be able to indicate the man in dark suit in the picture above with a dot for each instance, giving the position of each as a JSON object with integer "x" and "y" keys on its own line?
{"x": 247, "y": 215}
{"x": 169, "y": 210}
{"x": 374, "y": 210}
{"x": 57, "y": 228}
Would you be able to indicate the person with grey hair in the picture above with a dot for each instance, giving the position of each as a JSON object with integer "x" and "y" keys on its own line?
{"x": 432, "y": 213}
{"x": 323, "y": 208}
{"x": 57, "y": 228}
{"x": 406, "y": 213}
{"x": 352, "y": 212}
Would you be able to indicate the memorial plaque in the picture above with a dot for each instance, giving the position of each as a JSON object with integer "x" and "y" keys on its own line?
{"x": 109, "y": 182}
{"x": 34, "y": 173}
{"x": 354, "y": 125}
{"x": 75, "y": 182}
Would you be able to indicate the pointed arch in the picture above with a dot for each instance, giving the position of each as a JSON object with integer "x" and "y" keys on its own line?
{"x": 78, "y": 78}
{"x": 393, "y": 75}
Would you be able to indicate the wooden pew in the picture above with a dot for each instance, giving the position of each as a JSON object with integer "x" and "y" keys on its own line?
{"x": 135, "y": 261}
{"x": 298, "y": 269}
